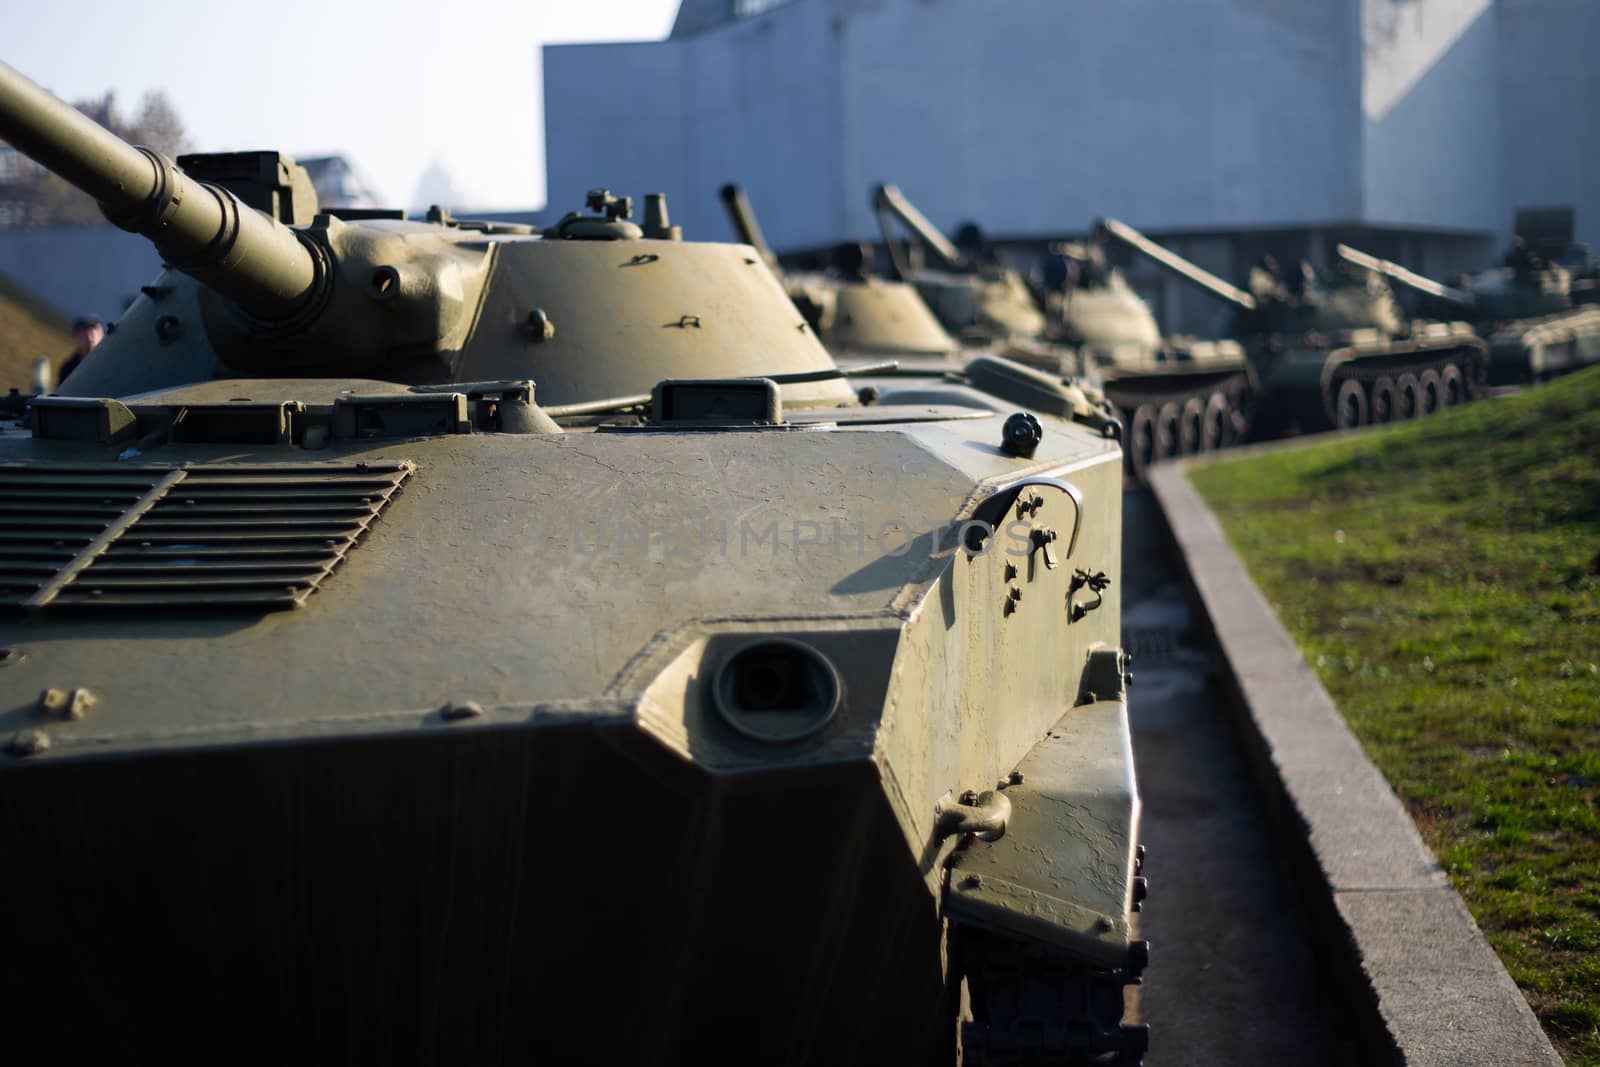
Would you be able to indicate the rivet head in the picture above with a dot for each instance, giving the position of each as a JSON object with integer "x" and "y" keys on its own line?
{"x": 64, "y": 704}
{"x": 457, "y": 710}
{"x": 1016, "y": 778}
{"x": 28, "y": 743}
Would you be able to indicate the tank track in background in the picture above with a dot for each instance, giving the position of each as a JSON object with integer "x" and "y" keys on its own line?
{"x": 1325, "y": 407}
{"x": 1032, "y": 1006}
{"x": 1161, "y": 422}
{"x": 1368, "y": 371}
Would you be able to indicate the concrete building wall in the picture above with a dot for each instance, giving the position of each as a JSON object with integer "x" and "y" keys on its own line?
{"x": 757, "y": 102}
{"x": 80, "y": 270}
{"x": 1431, "y": 115}
{"x": 1038, "y": 114}
{"x": 1034, "y": 116}
{"x": 1549, "y": 65}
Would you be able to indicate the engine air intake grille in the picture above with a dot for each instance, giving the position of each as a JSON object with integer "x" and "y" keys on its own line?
{"x": 213, "y": 536}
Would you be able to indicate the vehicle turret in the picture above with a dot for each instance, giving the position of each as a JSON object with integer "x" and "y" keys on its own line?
{"x": 367, "y": 294}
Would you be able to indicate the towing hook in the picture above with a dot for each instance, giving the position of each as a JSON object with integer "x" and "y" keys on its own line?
{"x": 983, "y": 815}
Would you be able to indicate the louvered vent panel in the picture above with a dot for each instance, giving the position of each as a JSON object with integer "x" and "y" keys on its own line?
{"x": 193, "y": 537}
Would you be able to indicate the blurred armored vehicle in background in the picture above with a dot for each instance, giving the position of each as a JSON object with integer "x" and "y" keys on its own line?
{"x": 630, "y": 666}
{"x": 1536, "y": 317}
{"x": 1175, "y": 395}
{"x": 1332, "y": 350}
{"x": 853, "y": 312}
{"x": 862, "y": 318}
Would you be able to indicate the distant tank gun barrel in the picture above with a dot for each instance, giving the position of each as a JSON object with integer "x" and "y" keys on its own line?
{"x": 1175, "y": 263}
{"x": 1395, "y": 272}
{"x": 889, "y": 200}
{"x": 199, "y": 228}
{"x": 743, "y": 220}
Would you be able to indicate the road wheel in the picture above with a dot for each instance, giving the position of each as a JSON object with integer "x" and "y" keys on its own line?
{"x": 1453, "y": 389}
{"x": 1142, "y": 440}
{"x": 1380, "y": 401}
{"x": 1217, "y": 423}
{"x": 1430, "y": 392}
{"x": 1168, "y": 431}
{"x": 1350, "y": 405}
{"x": 1407, "y": 398}
{"x": 1192, "y": 426}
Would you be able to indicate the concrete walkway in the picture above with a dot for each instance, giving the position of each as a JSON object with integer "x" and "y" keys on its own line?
{"x": 1234, "y": 976}
{"x": 1423, "y": 983}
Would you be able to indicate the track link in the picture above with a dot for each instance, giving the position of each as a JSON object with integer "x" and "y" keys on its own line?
{"x": 1033, "y": 1007}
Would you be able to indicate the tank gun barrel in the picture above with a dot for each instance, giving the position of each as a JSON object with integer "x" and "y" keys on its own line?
{"x": 889, "y": 200}
{"x": 1175, "y": 263}
{"x": 1395, "y": 272}
{"x": 199, "y": 228}
{"x": 743, "y": 220}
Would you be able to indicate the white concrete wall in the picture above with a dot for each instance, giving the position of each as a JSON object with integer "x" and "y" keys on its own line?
{"x": 79, "y": 270}
{"x": 757, "y": 103}
{"x": 1043, "y": 114}
{"x": 1431, "y": 114}
{"x": 1550, "y": 93}
{"x": 1034, "y": 116}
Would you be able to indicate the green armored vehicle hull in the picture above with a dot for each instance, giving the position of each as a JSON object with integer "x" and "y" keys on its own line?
{"x": 449, "y": 643}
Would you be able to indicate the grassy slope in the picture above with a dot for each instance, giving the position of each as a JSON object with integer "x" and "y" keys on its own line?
{"x": 1444, "y": 579}
{"x": 29, "y": 328}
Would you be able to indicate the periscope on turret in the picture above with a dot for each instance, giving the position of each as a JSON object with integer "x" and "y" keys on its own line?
{"x": 342, "y": 718}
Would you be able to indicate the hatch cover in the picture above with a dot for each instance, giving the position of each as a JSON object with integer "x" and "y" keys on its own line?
{"x": 213, "y": 536}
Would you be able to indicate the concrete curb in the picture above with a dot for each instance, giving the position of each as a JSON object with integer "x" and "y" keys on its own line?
{"x": 1414, "y": 967}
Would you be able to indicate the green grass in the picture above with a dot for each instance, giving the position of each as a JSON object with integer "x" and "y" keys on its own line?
{"x": 1443, "y": 577}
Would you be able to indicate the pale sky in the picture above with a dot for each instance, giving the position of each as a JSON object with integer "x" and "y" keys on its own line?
{"x": 393, "y": 85}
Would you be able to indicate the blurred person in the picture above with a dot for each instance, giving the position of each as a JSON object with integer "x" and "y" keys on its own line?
{"x": 87, "y": 332}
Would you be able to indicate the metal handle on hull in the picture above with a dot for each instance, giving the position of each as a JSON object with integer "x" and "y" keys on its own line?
{"x": 984, "y": 814}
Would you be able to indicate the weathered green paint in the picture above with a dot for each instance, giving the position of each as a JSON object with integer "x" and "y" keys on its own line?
{"x": 473, "y": 799}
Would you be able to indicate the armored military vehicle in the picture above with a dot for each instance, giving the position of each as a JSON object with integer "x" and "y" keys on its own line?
{"x": 1334, "y": 354}
{"x": 862, "y": 318}
{"x": 1526, "y": 310}
{"x": 638, "y": 695}
{"x": 1175, "y": 395}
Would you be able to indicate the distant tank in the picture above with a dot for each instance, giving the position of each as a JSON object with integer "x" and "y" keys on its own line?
{"x": 1175, "y": 395}
{"x": 862, "y": 319}
{"x": 1538, "y": 320}
{"x": 1332, "y": 350}
{"x": 639, "y": 695}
